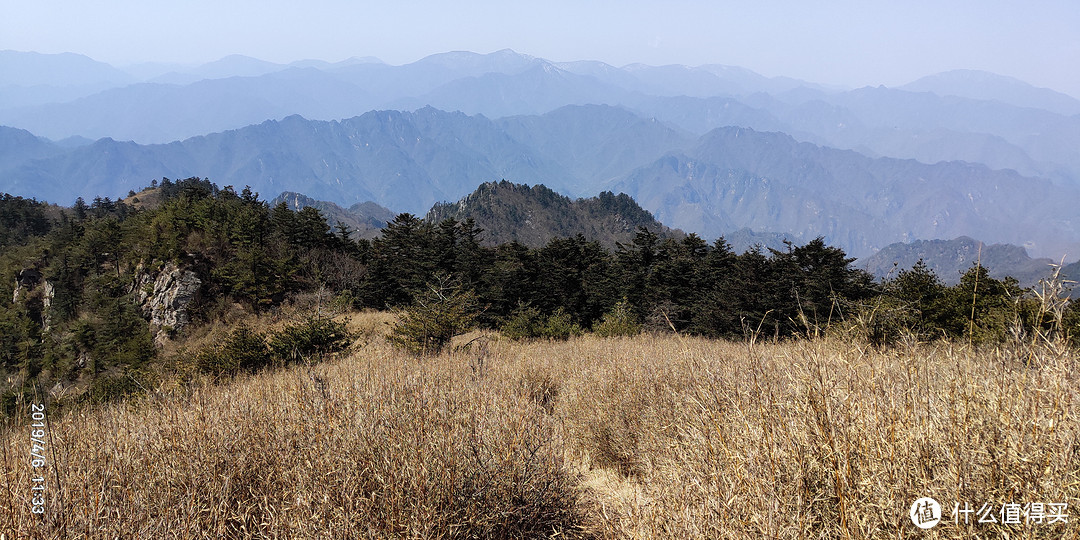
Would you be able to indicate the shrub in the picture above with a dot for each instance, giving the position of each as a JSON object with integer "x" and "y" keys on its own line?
{"x": 620, "y": 321}
{"x": 526, "y": 322}
{"x": 313, "y": 337}
{"x": 244, "y": 349}
{"x": 437, "y": 315}
{"x": 560, "y": 326}
{"x": 113, "y": 387}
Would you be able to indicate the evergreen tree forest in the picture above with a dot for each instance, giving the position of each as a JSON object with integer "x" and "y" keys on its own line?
{"x": 69, "y": 279}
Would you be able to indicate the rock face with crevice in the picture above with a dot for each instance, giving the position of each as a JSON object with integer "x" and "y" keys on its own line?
{"x": 25, "y": 280}
{"x": 165, "y": 298}
{"x": 36, "y": 293}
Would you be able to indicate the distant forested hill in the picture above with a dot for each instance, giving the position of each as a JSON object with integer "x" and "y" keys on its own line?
{"x": 950, "y": 259}
{"x": 361, "y": 220}
{"x": 509, "y": 212}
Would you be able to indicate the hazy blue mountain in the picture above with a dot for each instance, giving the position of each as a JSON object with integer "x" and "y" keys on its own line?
{"x": 679, "y": 80}
{"x": 12, "y": 97}
{"x": 701, "y": 115}
{"x": 229, "y": 66}
{"x": 540, "y": 88}
{"x": 707, "y": 81}
{"x": 768, "y": 181}
{"x": 406, "y": 161}
{"x": 18, "y": 146}
{"x": 73, "y": 142}
{"x": 884, "y": 107}
{"x": 469, "y": 64}
{"x": 389, "y": 83}
{"x": 605, "y": 73}
{"x": 27, "y": 69}
{"x": 984, "y": 85}
{"x": 158, "y": 113}
{"x": 30, "y": 78}
{"x": 147, "y": 71}
{"x": 324, "y": 65}
{"x": 203, "y": 100}
{"x": 988, "y": 120}
{"x": 713, "y": 200}
{"x": 949, "y": 259}
{"x": 234, "y": 65}
{"x": 596, "y": 143}
{"x": 834, "y": 125}
{"x": 930, "y": 128}
{"x": 105, "y": 168}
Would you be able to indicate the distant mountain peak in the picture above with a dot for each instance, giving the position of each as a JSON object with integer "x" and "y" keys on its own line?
{"x": 28, "y": 68}
{"x": 508, "y": 52}
{"x": 237, "y": 65}
{"x": 496, "y": 61}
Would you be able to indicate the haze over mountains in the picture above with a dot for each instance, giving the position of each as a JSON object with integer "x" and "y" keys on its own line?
{"x": 707, "y": 149}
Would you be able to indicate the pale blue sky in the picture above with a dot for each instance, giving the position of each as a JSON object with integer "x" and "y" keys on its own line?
{"x": 848, "y": 42}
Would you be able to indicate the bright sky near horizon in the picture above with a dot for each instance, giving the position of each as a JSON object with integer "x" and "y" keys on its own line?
{"x": 839, "y": 42}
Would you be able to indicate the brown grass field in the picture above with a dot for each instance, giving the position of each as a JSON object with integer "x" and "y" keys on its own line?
{"x": 646, "y": 437}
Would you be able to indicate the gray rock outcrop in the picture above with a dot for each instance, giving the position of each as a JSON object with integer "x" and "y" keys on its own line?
{"x": 165, "y": 298}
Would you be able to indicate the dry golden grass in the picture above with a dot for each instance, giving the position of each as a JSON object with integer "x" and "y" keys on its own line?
{"x": 646, "y": 437}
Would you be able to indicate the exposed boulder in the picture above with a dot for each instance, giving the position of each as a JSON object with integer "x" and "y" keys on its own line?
{"x": 165, "y": 298}
{"x": 48, "y": 292}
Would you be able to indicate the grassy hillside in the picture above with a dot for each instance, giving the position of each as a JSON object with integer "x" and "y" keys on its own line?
{"x": 644, "y": 437}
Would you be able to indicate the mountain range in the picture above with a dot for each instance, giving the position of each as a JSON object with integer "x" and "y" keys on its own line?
{"x": 959, "y": 115}
{"x": 709, "y": 149}
{"x": 727, "y": 179}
